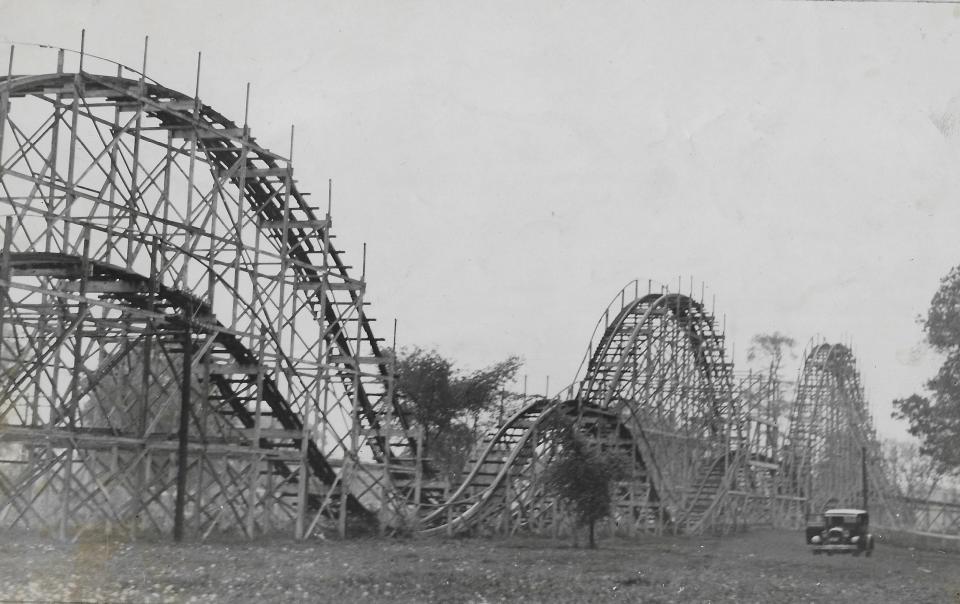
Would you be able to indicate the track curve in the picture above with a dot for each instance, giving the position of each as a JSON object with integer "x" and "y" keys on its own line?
{"x": 121, "y": 184}
{"x": 657, "y": 380}
{"x": 227, "y": 345}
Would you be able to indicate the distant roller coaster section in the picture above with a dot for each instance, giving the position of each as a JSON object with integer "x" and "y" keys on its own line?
{"x": 656, "y": 384}
{"x": 711, "y": 451}
{"x": 833, "y": 456}
{"x": 183, "y": 347}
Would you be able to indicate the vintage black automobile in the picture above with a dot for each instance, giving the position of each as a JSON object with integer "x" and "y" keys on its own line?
{"x": 841, "y": 531}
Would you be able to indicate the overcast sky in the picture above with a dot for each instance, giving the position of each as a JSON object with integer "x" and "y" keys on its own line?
{"x": 512, "y": 165}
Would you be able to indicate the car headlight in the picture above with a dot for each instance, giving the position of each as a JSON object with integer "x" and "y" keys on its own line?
{"x": 815, "y": 539}
{"x": 854, "y": 539}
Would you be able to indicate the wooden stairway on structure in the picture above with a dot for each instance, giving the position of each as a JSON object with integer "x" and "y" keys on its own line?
{"x": 706, "y": 499}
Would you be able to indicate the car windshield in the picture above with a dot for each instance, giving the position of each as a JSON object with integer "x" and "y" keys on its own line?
{"x": 845, "y": 520}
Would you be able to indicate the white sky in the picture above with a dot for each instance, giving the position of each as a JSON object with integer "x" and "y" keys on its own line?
{"x": 512, "y": 165}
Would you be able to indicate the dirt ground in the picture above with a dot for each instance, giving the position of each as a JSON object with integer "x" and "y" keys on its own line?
{"x": 758, "y": 566}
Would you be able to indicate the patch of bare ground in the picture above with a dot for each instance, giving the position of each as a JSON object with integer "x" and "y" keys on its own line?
{"x": 757, "y": 566}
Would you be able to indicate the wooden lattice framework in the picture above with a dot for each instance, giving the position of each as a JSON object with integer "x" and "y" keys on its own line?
{"x": 656, "y": 384}
{"x": 833, "y": 458}
{"x": 183, "y": 345}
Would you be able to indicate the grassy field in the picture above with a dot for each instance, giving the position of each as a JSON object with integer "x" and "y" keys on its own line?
{"x": 758, "y": 566}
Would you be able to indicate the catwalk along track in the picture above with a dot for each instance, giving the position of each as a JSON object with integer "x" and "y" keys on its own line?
{"x": 183, "y": 346}
{"x": 656, "y": 385}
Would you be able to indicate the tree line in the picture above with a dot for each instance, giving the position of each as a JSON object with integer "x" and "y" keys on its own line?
{"x": 934, "y": 416}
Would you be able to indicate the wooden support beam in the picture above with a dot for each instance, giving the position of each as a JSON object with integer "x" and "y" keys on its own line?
{"x": 182, "y": 432}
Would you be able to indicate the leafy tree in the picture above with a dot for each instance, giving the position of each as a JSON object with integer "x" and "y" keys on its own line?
{"x": 448, "y": 403}
{"x": 935, "y": 418}
{"x": 582, "y": 475}
{"x": 915, "y": 474}
{"x": 771, "y": 348}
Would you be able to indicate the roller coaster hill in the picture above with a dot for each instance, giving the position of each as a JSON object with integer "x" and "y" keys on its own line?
{"x": 185, "y": 349}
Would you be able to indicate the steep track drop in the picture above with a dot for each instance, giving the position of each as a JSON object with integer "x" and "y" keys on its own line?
{"x": 658, "y": 382}
{"x": 138, "y": 216}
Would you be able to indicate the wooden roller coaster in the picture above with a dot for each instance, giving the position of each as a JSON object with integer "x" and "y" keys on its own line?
{"x": 184, "y": 348}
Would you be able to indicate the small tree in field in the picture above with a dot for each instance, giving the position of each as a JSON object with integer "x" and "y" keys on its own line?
{"x": 582, "y": 475}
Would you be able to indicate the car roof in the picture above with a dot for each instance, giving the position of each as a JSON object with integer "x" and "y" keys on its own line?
{"x": 844, "y": 512}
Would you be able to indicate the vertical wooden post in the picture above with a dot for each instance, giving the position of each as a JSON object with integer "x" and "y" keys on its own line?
{"x": 5, "y": 258}
{"x": 288, "y": 317}
{"x": 323, "y": 372}
{"x": 256, "y": 456}
{"x": 388, "y": 425}
{"x": 303, "y": 476}
{"x": 418, "y": 477}
{"x": 5, "y": 102}
{"x": 199, "y": 502}
{"x": 268, "y": 498}
{"x": 534, "y": 462}
{"x": 182, "y": 432}
{"x": 351, "y": 458}
{"x": 143, "y": 470}
{"x": 70, "y": 408}
{"x": 507, "y": 503}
